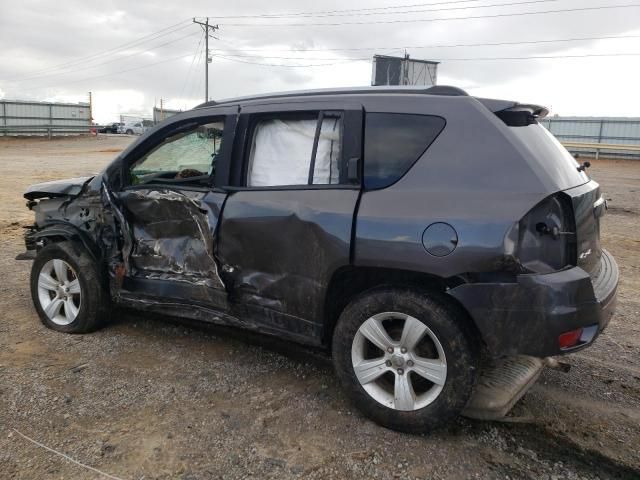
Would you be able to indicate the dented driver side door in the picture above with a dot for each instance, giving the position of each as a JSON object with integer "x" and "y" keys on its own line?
{"x": 172, "y": 208}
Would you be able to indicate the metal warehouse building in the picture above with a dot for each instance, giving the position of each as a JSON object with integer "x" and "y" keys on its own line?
{"x": 595, "y": 136}
{"x": 19, "y": 117}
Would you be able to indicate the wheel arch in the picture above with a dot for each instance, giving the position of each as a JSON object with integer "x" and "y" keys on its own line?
{"x": 348, "y": 282}
{"x": 63, "y": 231}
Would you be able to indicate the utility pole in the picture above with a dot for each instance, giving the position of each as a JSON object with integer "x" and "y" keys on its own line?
{"x": 161, "y": 110}
{"x": 90, "y": 109}
{"x": 405, "y": 72}
{"x": 206, "y": 26}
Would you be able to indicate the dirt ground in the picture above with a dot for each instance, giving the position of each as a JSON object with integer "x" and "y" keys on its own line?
{"x": 155, "y": 398}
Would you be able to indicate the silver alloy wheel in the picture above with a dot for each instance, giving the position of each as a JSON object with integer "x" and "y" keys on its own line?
{"x": 400, "y": 358}
{"x": 59, "y": 292}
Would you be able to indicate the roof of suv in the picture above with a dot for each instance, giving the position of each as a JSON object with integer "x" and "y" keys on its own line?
{"x": 435, "y": 90}
{"x": 440, "y": 90}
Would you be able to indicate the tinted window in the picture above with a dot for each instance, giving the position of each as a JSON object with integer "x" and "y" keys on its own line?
{"x": 295, "y": 151}
{"x": 551, "y": 154}
{"x": 393, "y": 142}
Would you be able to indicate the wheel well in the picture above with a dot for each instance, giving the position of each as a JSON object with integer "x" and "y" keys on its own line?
{"x": 57, "y": 233}
{"x": 350, "y": 281}
{"x": 60, "y": 232}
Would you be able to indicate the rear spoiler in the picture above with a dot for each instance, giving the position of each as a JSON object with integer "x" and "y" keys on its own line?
{"x": 515, "y": 114}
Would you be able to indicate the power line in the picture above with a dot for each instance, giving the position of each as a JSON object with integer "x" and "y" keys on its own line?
{"x": 89, "y": 58}
{"x": 400, "y": 12}
{"x": 402, "y": 47}
{"x": 350, "y": 60}
{"x": 197, "y": 83}
{"x": 124, "y": 57}
{"x": 124, "y": 71}
{"x": 186, "y": 78}
{"x": 536, "y": 57}
{"x": 428, "y": 20}
{"x": 344, "y": 12}
{"x": 234, "y": 59}
{"x": 470, "y": 59}
{"x": 230, "y": 53}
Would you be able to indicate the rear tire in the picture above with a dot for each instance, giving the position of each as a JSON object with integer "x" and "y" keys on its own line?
{"x": 66, "y": 289}
{"x": 414, "y": 356}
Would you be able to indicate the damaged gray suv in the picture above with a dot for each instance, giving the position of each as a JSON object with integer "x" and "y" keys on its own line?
{"x": 443, "y": 247}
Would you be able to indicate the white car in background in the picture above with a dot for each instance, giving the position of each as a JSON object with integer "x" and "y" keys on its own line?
{"x": 132, "y": 128}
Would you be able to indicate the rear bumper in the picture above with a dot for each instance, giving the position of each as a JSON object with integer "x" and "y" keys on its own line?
{"x": 527, "y": 316}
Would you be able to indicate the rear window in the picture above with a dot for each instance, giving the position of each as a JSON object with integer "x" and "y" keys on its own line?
{"x": 551, "y": 154}
{"x": 392, "y": 144}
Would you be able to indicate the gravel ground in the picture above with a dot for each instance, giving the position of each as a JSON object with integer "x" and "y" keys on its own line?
{"x": 156, "y": 398}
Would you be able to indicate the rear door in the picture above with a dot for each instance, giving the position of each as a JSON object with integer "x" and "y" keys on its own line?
{"x": 287, "y": 223}
{"x": 172, "y": 207}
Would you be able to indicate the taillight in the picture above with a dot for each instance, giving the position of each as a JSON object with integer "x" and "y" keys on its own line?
{"x": 569, "y": 339}
{"x": 547, "y": 236}
{"x": 577, "y": 337}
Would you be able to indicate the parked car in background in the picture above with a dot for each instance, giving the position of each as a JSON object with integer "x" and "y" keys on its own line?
{"x": 441, "y": 247}
{"x": 111, "y": 127}
{"x": 131, "y": 128}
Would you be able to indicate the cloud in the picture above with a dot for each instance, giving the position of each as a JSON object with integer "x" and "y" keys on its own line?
{"x": 61, "y": 57}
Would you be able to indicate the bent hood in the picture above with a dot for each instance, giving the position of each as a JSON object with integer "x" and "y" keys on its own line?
{"x": 70, "y": 187}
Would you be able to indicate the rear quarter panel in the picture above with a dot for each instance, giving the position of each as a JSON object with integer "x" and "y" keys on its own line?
{"x": 473, "y": 177}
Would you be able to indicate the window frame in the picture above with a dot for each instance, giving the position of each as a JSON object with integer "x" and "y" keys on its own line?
{"x": 319, "y": 115}
{"x": 156, "y": 136}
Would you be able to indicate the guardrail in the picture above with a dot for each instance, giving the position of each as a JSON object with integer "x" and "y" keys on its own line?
{"x": 48, "y": 130}
{"x": 597, "y": 147}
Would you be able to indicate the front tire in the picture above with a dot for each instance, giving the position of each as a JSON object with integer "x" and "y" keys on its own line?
{"x": 405, "y": 358}
{"x": 66, "y": 289}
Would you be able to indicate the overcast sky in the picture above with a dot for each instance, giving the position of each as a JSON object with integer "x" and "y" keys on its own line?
{"x": 131, "y": 54}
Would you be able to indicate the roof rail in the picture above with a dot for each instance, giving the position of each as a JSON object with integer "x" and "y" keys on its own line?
{"x": 444, "y": 90}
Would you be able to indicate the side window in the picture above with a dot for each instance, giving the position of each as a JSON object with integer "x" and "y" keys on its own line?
{"x": 183, "y": 155}
{"x": 296, "y": 150}
{"x": 392, "y": 144}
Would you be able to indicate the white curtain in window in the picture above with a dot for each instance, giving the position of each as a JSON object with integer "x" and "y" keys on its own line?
{"x": 281, "y": 152}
